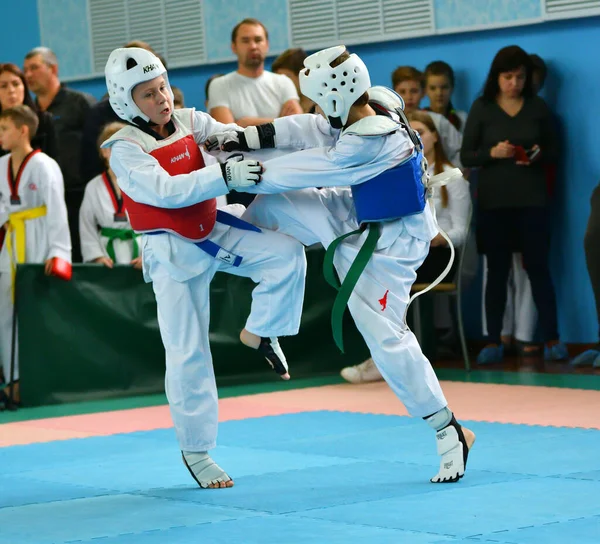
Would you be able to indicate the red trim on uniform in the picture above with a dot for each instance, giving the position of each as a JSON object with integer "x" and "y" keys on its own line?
{"x": 13, "y": 183}
{"x": 118, "y": 203}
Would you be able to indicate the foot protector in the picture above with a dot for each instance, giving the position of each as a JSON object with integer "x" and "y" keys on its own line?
{"x": 203, "y": 469}
{"x": 453, "y": 448}
{"x": 272, "y": 352}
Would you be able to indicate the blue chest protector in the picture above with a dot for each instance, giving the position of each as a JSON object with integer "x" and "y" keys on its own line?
{"x": 393, "y": 194}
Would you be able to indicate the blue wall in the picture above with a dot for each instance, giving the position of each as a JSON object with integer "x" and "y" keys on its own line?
{"x": 568, "y": 47}
{"x": 22, "y": 33}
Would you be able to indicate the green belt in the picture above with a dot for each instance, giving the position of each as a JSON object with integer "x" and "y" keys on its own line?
{"x": 119, "y": 234}
{"x": 347, "y": 286}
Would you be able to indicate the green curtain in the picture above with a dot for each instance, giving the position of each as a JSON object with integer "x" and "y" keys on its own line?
{"x": 97, "y": 336}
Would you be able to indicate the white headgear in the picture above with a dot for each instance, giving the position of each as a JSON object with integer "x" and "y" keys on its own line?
{"x": 120, "y": 80}
{"x": 334, "y": 90}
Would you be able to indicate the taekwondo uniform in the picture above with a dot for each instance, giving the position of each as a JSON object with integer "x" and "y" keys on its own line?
{"x": 103, "y": 224}
{"x": 169, "y": 194}
{"x": 330, "y": 158}
{"x": 33, "y": 202}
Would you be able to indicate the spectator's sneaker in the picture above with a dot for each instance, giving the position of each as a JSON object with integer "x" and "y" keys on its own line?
{"x": 591, "y": 357}
{"x": 491, "y": 355}
{"x": 556, "y": 352}
{"x": 363, "y": 373}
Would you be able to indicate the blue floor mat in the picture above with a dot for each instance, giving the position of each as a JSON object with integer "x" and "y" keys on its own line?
{"x": 323, "y": 477}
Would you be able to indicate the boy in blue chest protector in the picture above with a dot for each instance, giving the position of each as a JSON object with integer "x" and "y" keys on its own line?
{"x": 371, "y": 214}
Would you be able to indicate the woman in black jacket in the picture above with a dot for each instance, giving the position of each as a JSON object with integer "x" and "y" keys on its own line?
{"x": 510, "y": 137}
{"x": 14, "y": 92}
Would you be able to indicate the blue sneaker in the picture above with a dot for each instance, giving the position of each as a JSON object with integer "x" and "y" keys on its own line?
{"x": 491, "y": 355}
{"x": 591, "y": 357}
{"x": 557, "y": 352}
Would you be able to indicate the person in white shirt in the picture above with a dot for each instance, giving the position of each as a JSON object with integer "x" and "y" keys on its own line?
{"x": 452, "y": 205}
{"x": 251, "y": 95}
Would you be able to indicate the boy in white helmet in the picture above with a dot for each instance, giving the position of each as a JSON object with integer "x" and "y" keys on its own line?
{"x": 380, "y": 158}
{"x": 169, "y": 194}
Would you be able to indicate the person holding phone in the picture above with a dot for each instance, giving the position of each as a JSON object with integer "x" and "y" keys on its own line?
{"x": 510, "y": 136}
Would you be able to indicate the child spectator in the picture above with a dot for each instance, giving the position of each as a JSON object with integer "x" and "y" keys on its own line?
{"x": 408, "y": 82}
{"x": 35, "y": 229}
{"x": 106, "y": 235}
{"x": 439, "y": 85}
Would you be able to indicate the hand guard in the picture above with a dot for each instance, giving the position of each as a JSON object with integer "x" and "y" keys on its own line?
{"x": 239, "y": 173}
{"x": 216, "y": 141}
{"x": 260, "y": 137}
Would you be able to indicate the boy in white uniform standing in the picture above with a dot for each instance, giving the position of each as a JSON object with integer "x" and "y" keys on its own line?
{"x": 170, "y": 193}
{"x": 34, "y": 216}
{"x": 380, "y": 157}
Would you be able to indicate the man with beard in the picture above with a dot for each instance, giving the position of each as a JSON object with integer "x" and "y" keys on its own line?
{"x": 251, "y": 95}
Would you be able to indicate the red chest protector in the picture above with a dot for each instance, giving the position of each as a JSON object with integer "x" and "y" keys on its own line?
{"x": 192, "y": 222}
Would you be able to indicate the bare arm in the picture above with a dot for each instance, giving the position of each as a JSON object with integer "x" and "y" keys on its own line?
{"x": 222, "y": 114}
{"x": 252, "y": 121}
{"x": 291, "y": 107}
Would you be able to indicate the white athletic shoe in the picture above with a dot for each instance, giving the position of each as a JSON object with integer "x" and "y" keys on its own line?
{"x": 365, "y": 372}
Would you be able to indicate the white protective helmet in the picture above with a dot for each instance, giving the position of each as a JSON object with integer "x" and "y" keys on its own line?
{"x": 120, "y": 80}
{"x": 334, "y": 90}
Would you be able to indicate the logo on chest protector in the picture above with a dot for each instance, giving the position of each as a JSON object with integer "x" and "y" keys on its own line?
{"x": 181, "y": 155}
{"x": 383, "y": 301}
{"x": 150, "y": 67}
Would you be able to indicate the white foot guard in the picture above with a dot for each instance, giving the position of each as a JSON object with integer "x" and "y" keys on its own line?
{"x": 452, "y": 445}
{"x": 203, "y": 469}
{"x": 273, "y": 353}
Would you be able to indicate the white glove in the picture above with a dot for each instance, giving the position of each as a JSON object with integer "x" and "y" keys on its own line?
{"x": 239, "y": 173}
